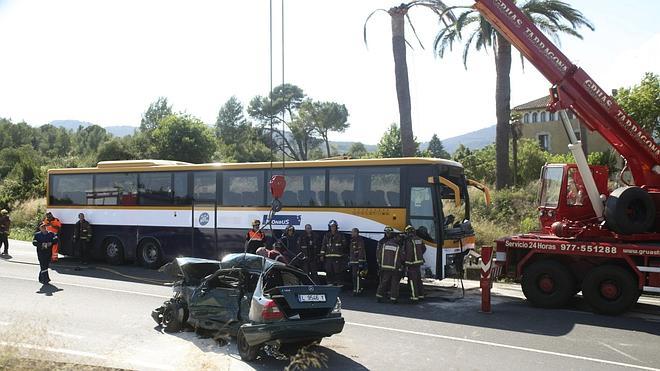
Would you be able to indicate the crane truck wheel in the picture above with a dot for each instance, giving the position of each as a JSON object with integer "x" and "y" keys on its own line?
{"x": 610, "y": 289}
{"x": 629, "y": 210}
{"x": 548, "y": 284}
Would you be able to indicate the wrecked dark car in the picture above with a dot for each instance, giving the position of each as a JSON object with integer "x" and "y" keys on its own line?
{"x": 258, "y": 300}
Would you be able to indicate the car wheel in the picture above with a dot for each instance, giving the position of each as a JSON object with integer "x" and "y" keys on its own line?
{"x": 248, "y": 353}
{"x": 113, "y": 251}
{"x": 174, "y": 317}
{"x": 548, "y": 284}
{"x": 150, "y": 254}
{"x": 610, "y": 289}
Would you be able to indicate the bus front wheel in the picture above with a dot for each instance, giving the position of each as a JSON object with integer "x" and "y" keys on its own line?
{"x": 113, "y": 251}
{"x": 150, "y": 254}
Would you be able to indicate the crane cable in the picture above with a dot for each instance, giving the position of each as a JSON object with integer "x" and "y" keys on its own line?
{"x": 271, "y": 213}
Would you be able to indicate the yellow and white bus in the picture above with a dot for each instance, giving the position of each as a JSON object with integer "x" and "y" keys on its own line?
{"x": 151, "y": 211}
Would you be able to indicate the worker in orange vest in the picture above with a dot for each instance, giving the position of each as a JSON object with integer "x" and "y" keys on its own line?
{"x": 54, "y": 226}
{"x": 255, "y": 238}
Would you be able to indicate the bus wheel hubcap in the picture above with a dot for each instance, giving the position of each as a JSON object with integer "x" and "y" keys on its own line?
{"x": 112, "y": 249}
{"x": 150, "y": 253}
{"x": 547, "y": 284}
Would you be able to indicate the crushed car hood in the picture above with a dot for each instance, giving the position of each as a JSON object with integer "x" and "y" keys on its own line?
{"x": 190, "y": 270}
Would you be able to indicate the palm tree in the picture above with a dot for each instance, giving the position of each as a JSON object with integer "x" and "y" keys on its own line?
{"x": 550, "y": 16}
{"x": 399, "y": 14}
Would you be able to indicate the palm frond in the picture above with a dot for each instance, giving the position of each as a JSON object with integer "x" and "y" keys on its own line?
{"x": 367, "y": 20}
{"x": 414, "y": 31}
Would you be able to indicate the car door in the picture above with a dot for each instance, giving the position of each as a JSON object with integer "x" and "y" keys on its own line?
{"x": 215, "y": 304}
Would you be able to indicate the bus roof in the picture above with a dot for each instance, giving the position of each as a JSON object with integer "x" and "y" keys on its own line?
{"x": 164, "y": 165}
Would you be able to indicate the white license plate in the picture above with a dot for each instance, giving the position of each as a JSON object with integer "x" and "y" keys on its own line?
{"x": 311, "y": 298}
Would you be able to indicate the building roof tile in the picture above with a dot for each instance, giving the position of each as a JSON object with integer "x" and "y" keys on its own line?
{"x": 536, "y": 103}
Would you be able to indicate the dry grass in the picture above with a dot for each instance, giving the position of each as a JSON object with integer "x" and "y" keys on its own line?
{"x": 25, "y": 217}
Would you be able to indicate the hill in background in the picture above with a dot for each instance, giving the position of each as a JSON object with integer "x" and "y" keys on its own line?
{"x": 116, "y": 130}
{"x": 473, "y": 140}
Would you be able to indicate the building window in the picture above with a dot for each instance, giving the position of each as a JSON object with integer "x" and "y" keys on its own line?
{"x": 544, "y": 141}
{"x": 534, "y": 117}
{"x": 542, "y": 116}
{"x": 578, "y": 135}
{"x": 526, "y": 118}
{"x": 552, "y": 116}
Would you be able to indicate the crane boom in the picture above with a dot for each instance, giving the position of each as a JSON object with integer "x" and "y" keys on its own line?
{"x": 576, "y": 90}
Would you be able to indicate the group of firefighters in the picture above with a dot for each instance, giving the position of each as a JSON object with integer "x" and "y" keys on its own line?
{"x": 396, "y": 256}
{"x": 47, "y": 239}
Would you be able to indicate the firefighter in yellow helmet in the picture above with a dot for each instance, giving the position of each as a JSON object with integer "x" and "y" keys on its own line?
{"x": 413, "y": 253}
{"x": 390, "y": 264}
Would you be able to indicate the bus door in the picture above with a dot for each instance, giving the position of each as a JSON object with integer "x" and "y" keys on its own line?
{"x": 203, "y": 215}
{"x": 425, "y": 215}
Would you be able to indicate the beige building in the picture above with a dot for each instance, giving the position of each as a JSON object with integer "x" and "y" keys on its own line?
{"x": 547, "y": 129}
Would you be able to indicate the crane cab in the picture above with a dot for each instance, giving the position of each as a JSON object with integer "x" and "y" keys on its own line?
{"x": 563, "y": 194}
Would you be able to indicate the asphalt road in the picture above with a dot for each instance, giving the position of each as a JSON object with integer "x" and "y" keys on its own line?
{"x": 100, "y": 316}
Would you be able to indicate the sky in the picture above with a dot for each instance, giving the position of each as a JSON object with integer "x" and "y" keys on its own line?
{"x": 104, "y": 61}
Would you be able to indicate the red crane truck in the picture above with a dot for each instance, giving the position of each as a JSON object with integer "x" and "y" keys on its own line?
{"x": 601, "y": 242}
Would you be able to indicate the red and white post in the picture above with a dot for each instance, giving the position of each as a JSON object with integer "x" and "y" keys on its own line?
{"x": 485, "y": 282}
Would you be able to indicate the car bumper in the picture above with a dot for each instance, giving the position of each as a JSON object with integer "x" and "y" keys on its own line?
{"x": 292, "y": 330}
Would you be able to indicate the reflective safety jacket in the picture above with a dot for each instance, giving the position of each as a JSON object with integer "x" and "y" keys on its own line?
{"x": 389, "y": 254}
{"x": 255, "y": 235}
{"x": 333, "y": 245}
{"x": 357, "y": 253}
{"x": 53, "y": 226}
{"x": 309, "y": 246}
{"x": 82, "y": 231}
{"x": 413, "y": 250}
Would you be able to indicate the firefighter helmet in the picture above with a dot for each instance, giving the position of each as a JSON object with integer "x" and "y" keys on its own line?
{"x": 410, "y": 229}
{"x": 388, "y": 229}
{"x": 333, "y": 222}
{"x": 256, "y": 222}
{"x": 290, "y": 228}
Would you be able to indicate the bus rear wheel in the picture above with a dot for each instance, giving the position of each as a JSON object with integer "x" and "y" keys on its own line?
{"x": 150, "y": 254}
{"x": 113, "y": 251}
{"x": 548, "y": 284}
{"x": 610, "y": 289}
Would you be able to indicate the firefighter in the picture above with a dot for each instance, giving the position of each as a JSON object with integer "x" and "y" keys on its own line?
{"x": 44, "y": 241}
{"x": 413, "y": 253}
{"x": 255, "y": 238}
{"x": 291, "y": 247}
{"x": 309, "y": 246}
{"x": 390, "y": 265}
{"x": 5, "y": 224}
{"x": 82, "y": 238}
{"x": 54, "y": 226}
{"x": 357, "y": 260}
{"x": 333, "y": 252}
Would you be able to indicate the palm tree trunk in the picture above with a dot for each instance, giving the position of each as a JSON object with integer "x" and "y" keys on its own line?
{"x": 402, "y": 85}
{"x": 503, "y": 112}
{"x": 515, "y": 161}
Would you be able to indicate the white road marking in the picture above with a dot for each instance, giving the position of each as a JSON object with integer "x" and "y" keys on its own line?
{"x": 80, "y": 353}
{"x": 64, "y": 334}
{"x": 93, "y": 287}
{"x": 514, "y": 347}
{"x": 620, "y": 352}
